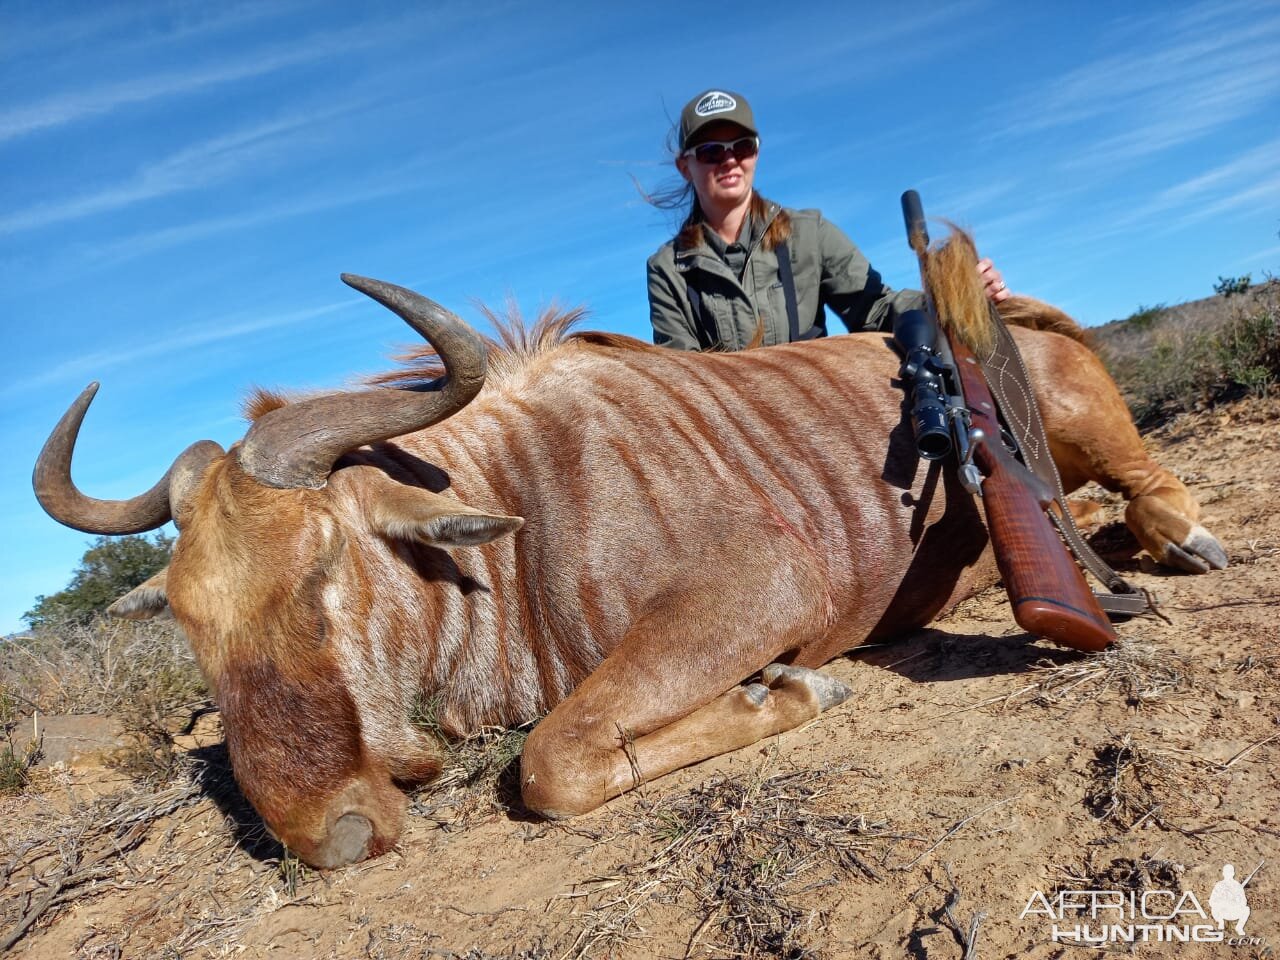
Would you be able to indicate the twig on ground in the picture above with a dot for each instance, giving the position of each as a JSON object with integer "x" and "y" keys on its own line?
{"x": 955, "y": 828}
{"x": 1222, "y": 768}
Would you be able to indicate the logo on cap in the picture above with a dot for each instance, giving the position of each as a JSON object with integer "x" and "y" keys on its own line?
{"x": 713, "y": 103}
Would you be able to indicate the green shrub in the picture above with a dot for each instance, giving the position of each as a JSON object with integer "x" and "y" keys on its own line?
{"x": 1230, "y": 286}
{"x": 15, "y": 763}
{"x": 110, "y": 568}
{"x": 1144, "y": 317}
{"x": 1175, "y": 369}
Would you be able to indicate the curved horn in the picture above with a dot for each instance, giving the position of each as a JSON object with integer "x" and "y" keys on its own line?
{"x": 58, "y": 495}
{"x": 297, "y": 445}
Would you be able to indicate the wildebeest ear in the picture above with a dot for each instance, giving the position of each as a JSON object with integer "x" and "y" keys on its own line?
{"x": 144, "y": 601}
{"x": 408, "y": 513}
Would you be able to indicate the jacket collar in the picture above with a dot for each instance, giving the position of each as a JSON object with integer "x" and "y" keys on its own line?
{"x": 702, "y": 257}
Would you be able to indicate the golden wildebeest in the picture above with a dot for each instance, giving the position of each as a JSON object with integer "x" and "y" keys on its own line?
{"x": 613, "y": 534}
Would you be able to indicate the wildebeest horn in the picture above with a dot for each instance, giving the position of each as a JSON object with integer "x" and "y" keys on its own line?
{"x": 62, "y": 501}
{"x": 296, "y": 445}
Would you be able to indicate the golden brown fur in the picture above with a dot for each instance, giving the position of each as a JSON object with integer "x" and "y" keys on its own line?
{"x": 952, "y": 281}
{"x": 961, "y": 302}
{"x": 1037, "y": 315}
{"x": 262, "y": 401}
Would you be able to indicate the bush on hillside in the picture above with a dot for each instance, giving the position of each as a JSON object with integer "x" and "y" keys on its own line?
{"x": 1144, "y": 316}
{"x": 1175, "y": 368}
{"x": 1230, "y": 286}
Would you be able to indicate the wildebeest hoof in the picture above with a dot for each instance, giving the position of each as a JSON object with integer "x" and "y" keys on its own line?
{"x": 1198, "y": 553}
{"x": 827, "y": 689}
{"x": 757, "y": 693}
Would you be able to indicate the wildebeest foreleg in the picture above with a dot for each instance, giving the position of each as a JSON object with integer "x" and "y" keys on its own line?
{"x": 1092, "y": 437}
{"x": 785, "y": 698}
{"x": 658, "y": 702}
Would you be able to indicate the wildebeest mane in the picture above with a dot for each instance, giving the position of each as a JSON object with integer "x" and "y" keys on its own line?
{"x": 517, "y": 343}
{"x": 1038, "y": 315}
{"x": 961, "y": 300}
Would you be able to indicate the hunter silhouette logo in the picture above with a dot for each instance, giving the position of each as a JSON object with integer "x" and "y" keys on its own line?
{"x": 1098, "y": 918}
{"x": 1228, "y": 902}
{"x": 713, "y": 103}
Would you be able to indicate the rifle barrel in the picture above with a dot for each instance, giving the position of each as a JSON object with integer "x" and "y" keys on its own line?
{"x": 913, "y": 217}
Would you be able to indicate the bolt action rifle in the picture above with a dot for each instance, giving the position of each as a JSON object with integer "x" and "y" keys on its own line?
{"x": 952, "y": 408}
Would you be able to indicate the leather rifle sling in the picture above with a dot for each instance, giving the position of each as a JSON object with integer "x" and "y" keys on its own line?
{"x": 1010, "y": 387}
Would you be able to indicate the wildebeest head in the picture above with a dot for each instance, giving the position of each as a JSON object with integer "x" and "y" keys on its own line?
{"x": 269, "y": 581}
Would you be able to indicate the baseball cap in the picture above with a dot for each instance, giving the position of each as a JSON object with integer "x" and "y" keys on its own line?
{"x": 712, "y": 106}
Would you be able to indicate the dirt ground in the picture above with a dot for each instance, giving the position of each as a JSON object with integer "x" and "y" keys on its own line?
{"x": 972, "y": 770}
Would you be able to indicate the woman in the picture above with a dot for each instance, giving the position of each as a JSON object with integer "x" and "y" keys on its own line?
{"x": 742, "y": 265}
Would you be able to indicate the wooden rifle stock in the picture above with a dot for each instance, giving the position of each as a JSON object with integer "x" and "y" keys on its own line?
{"x": 1046, "y": 587}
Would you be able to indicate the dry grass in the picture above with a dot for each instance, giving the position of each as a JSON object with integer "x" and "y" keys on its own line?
{"x": 1129, "y": 783}
{"x": 1197, "y": 354}
{"x": 67, "y": 856}
{"x": 1138, "y": 874}
{"x": 1137, "y": 670}
{"x": 739, "y": 853}
{"x": 195, "y": 879}
{"x": 142, "y": 673}
{"x": 1133, "y": 784}
{"x": 480, "y": 775}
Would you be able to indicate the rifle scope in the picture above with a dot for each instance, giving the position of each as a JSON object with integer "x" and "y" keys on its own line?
{"x": 922, "y": 371}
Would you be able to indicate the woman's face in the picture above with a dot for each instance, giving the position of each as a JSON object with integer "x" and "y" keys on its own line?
{"x": 724, "y": 185}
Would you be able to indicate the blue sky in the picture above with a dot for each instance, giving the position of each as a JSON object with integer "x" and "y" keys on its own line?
{"x": 182, "y": 183}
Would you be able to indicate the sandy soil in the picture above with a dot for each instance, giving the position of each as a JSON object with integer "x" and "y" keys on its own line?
{"x": 971, "y": 769}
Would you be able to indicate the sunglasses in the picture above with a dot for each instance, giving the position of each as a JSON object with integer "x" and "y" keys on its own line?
{"x": 715, "y": 152}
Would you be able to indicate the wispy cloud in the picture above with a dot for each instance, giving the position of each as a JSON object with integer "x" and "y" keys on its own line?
{"x": 91, "y": 365}
{"x": 137, "y": 245}
{"x": 1250, "y": 195}
{"x": 1249, "y": 179}
{"x": 1191, "y": 114}
{"x": 190, "y": 168}
{"x": 1239, "y": 177}
{"x": 1196, "y": 60}
{"x": 65, "y": 108}
{"x": 130, "y": 26}
{"x": 1268, "y": 253}
{"x": 1175, "y": 81}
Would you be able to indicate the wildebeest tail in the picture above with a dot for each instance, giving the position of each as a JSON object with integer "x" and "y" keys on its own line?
{"x": 950, "y": 271}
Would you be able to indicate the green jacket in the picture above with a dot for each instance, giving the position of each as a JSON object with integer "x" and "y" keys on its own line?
{"x": 828, "y": 269}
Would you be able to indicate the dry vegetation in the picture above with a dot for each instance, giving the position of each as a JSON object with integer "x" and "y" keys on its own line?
{"x": 1170, "y": 360}
{"x": 971, "y": 766}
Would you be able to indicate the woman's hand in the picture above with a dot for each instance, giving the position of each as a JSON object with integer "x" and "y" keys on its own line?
{"x": 993, "y": 284}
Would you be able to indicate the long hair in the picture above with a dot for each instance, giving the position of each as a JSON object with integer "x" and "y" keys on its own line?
{"x": 681, "y": 196}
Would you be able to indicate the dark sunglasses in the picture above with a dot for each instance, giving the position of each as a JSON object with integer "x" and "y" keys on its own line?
{"x": 715, "y": 152}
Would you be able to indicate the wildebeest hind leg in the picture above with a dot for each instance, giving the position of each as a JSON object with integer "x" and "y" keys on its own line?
{"x": 668, "y": 695}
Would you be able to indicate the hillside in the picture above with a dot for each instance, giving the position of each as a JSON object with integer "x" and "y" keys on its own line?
{"x": 1170, "y": 359}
